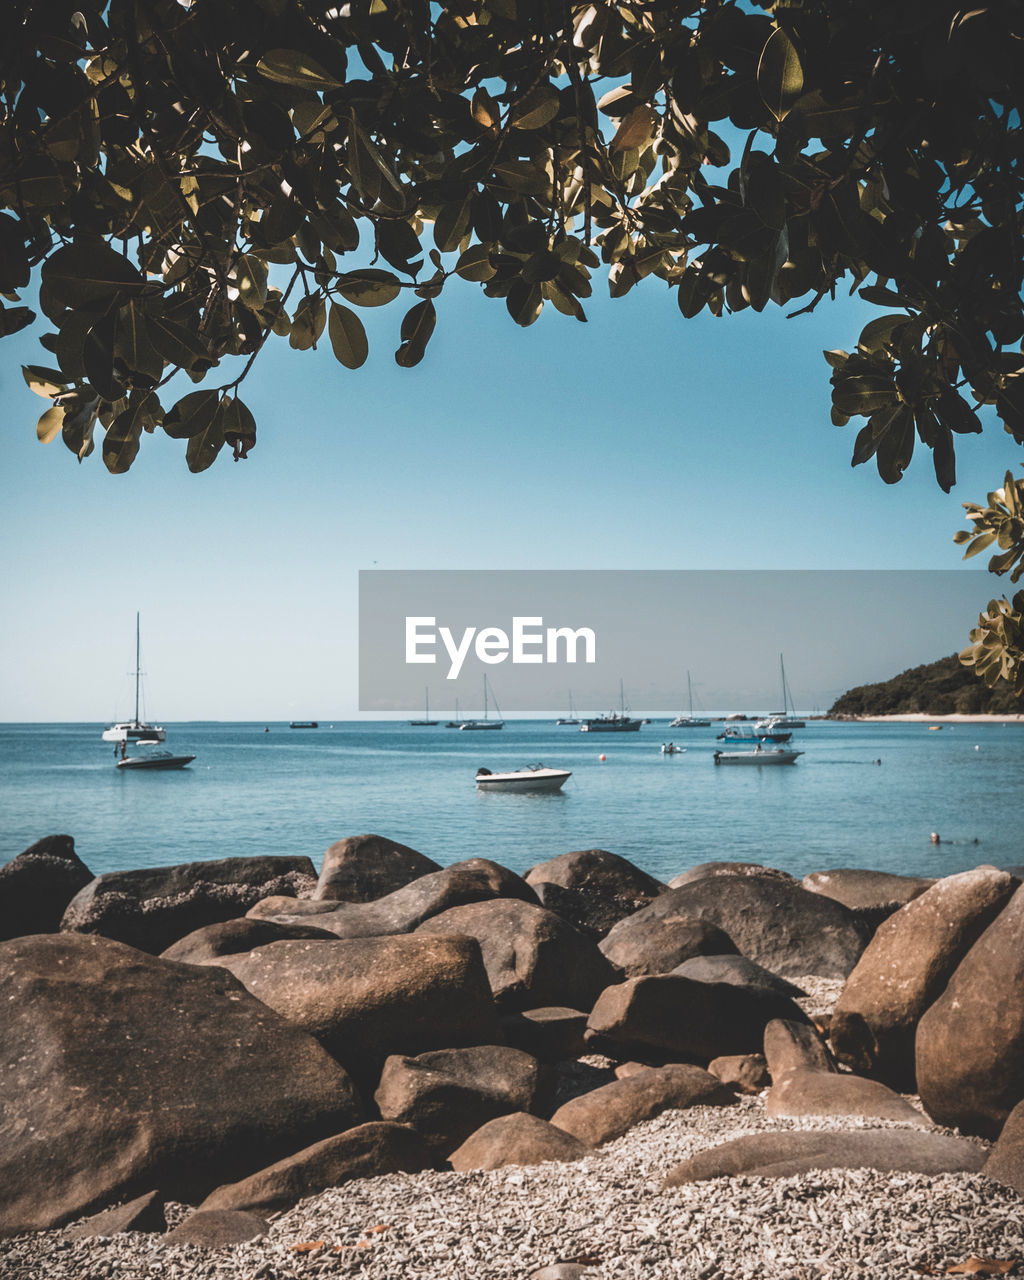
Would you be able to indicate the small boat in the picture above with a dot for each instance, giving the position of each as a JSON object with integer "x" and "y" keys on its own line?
{"x": 690, "y": 721}
{"x": 670, "y": 749}
{"x": 759, "y": 756}
{"x": 458, "y": 722}
{"x": 426, "y": 712}
{"x": 787, "y": 717}
{"x": 304, "y": 724}
{"x": 133, "y": 730}
{"x": 485, "y": 723}
{"x": 756, "y": 734}
{"x": 155, "y": 760}
{"x": 614, "y": 721}
{"x": 532, "y": 777}
{"x": 572, "y": 717}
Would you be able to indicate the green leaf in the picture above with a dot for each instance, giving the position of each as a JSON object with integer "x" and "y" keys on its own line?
{"x": 98, "y": 355}
{"x": 308, "y": 322}
{"x": 348, "y": 337}
{"x": 536, "y": 108}
{"x": 979, "y": 544}
{"x": 417, "y": 326}
{"x": 894, "y": 431}
{"x": 452, "y": 223}
{"x": 780, "y": 77}
{"x": 239, "y": 428}
{"x": 176, "y": 344}
{"x": 121, "y": 443}
{"x": 49, "y": 426}
{"x": 251, "y": 281}
{"x": 82, "y": 273}
{"x": 475, "y": 264}
{"x": 192, "y": 414}
{"x": 880, "y": 332}
{"x": 134, "y": 346}
{"x": 289, "y": 66}
{"x": 369, "y": 287}
{"x": 44, "y": 382}
{"x": 204, "y": 445}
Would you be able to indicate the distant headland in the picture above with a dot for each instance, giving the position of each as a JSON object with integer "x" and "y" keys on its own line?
{"x": 942, "y": 689}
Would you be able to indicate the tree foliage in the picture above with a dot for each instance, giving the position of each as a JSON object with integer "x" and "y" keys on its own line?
{"x": 186, "y": 179}
{"x": 940, "y": 688}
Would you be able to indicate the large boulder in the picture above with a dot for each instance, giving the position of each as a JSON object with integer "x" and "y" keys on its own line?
{"x": 475, "y": 880}
{"x": 550, "y": 1034}
{"x": 151, "y": 908}
{"x": 37, "y": 885}
{"x": 599, "y": 888}
{"x": 906, "y": 966}
{"x": 871, "y": 895}
{"x": 1006, "y": 1159}
{"x": 772, "y": 921}
{"x": 970, "y": 1043}
{"x": 367, "y": 1151}
{"x": 144, "y": 1213}
{"x": 532, "y": 957}
{"x": 671, "y": 1018}
{"x": 607, "y": 1113}
{"x": 782, "y": 1155}
{"x": 792, "y": 1045}
{"x": 742, "y": 1072}
{"x": 233, "y": 936}
{"x": 652, "y": 942}
{"x": 123, "y": 1073}
{"x": 517, "y": 1139}
{"x": 745, "y": 870}
{"x": 367, "y": 998}
{"x": 364, "y": 868}
{"x": 447, "y": 1095}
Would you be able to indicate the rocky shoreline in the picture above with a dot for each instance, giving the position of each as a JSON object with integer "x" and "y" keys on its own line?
{"x": 245, "y": 1068}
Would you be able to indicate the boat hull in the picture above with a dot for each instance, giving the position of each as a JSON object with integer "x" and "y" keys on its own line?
{"x": 757, "y": 757}
{"x": 482, "y": 724}
{"x": 163, "y": 761}
{"x": 524, "y": 780}
{"x": 689, "y": 722}
{"x": 610, "y": 726}
{"x": 132, "y": 731}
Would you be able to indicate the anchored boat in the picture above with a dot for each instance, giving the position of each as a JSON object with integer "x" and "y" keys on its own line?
{"x": 532, "y": 777}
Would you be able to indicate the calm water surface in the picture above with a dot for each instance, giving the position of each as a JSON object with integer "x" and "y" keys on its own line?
{"x": 295, "y": 791}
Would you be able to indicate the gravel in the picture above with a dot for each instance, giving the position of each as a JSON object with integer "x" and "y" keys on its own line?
{"x": 607, "y": 1212}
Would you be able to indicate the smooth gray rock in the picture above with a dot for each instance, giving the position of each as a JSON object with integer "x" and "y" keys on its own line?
{"x": 519, "y": 1139}
{"x": 806, "y": 1092}
{"x": 37, "y": 885}
{"x": 872, "y": 895}
{"x": 905, "y": 968}
{"x": 364, "y": 868}
{"x": 180, "y": 1080}
{"x": 367, "y": 998}
{"x": 744, "y": 1072}
{"x": 151, "y": 908}
{"x": 738, "y": 970}
{"x": 367, "y": 1151}
{"x": 532, "y": 957}
{"x": 675, "y": 1018}
{"x": 607, "y": 1113}
{"x": 789, "y": 1045}
{"x": 970, "y": 1042}
{"x": 772, "y": 921}
{"x": 217, "y": 1229}
{"x": 234, "y": 936}
{"x": 782, "y": 1155}
{"x": 652, "y": 942}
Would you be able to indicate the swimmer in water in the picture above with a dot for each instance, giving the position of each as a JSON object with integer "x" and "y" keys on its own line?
{"x": 935, "y": 837}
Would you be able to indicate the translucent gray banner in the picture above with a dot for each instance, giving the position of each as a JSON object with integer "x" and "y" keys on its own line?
{"x": 601, "y": 636}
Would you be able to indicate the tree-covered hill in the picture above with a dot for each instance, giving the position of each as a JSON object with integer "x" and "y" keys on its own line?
{"x": 937, "y": 688}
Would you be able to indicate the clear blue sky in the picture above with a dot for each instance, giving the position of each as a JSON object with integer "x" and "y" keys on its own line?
{"x": 637, "y": 441}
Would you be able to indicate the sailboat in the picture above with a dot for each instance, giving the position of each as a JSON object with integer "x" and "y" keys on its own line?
{"x": 571, "y": 718}
{"x": 126, "y": 730}
{"x": 485, "y": 723}
{"x": 786, "y": 718}
{"x": 689, "y": 721}
{"x": 426, "y": 711}
{"x": 457, "y": 722}
{"x": 614, "y": 721}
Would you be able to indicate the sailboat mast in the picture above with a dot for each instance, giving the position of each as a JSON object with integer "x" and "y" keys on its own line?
{"x": 485, "y": 695}
{"x": 689, "y": 691}
{"x": 138, "y": 666}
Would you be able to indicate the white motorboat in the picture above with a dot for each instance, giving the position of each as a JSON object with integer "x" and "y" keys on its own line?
{"x": 133, "y": 730}
{"x": 155, "y": 760}
{"x": 690, "y": 721}
{"x": 533, "y": 777}
{"x": 485, "y": 723}
{"x": 759, "y": 756}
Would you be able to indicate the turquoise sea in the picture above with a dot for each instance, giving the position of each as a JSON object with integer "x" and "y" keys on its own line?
{"x": 294, "y": 791}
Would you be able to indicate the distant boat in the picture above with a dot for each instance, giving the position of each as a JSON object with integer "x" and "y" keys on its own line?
{"x": 787, "y": 717}
{"x": 689, "y": 721}
{"x": 533, "y": 777}
{"x": 426, "y": 713}
{"x": 614, "y": 721}
{"x": 754, "y": 734}
{"x": 670, "y": 749}
{"x": 485, "y": 723}
{"x": 127, "y": 730}
{"x": 304, "y": 724}
{"x": 155, "y": 760}
{"x": 457, "y": 722}
{"x": 759, "y": 756}
{"x": 571, "y": 718}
